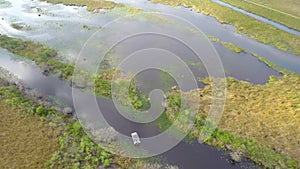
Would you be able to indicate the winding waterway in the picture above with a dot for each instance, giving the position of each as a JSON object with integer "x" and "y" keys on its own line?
{"x": 185, "y": 155}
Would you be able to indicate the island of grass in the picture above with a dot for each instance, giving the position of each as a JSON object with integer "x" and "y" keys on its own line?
{"x": 92, "y": 5}
{"x": 238, "y": 49}
{"x": 232, "y": 47}
{"x": 247, "y": 25}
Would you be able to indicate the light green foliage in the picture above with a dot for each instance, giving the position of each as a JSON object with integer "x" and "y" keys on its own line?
{"x": 41, "y": 111}
{"x": 76, "y": 128}
{"x": 77, "y": 150}
{"x": 232, "y": 47}
{"x": 14, "y": 98}
{"x": 105, "y": 158}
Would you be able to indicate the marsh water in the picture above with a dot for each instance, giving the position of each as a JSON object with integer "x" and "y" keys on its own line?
{"x": 67, "y": 28}
{"x": 185, "y": 154}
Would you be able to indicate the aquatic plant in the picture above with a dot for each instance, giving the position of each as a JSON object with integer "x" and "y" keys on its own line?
{"x": 232, "y": 47}
{"x": 92, "y": 5}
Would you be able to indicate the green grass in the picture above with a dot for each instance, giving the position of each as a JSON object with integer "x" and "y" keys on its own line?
{"x": 92, "y": 5}
{"x": 232, "y": 47}
{"x": 288, "y": 6}
{"x": 247, "y": 25}
{"x": 249, "y": 148}
{"x": 276, "y": 16}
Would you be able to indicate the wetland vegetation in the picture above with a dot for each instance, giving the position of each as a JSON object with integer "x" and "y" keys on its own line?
{"x": 59, "y": 140}
{"x": 92, "y": 5}
{"x": 232, "y": 47}
{"x": 253, "y": 125}
{"x": 246, "y": 25}
{"x": 26, "y": 141}
{"x": 254, "y": 120}
{"x": 48, "y": 139}
{"x": 48, "y": 60}
{"x": 243, "y": 135}
{"x": 283, "y": 18}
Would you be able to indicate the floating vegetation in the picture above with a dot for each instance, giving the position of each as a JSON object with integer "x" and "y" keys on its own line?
{"x": 20, "y": 26}
{"x": 92, "y": 5}
{"x": 17, "y": 26}
{"x": 232, "y": 47}
{"x": 86, "y": 27}
{"x": 213, "y": 39}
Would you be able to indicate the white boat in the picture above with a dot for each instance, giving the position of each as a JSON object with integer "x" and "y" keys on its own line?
{"x": 135, "y": 138}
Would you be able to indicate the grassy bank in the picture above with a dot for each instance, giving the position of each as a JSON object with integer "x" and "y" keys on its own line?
{"x": 260, "y": 121}
{"x": 257, "y": 30}
{"x": 288, "y": 6}
{"x": 58, "y": 140}
{"x": 276, "y": 16}
{"x": 47, "y": 59}
{"x": 43, "y": 56}
{"x": 92, "y": 5}
{"x": 33, "y": 136}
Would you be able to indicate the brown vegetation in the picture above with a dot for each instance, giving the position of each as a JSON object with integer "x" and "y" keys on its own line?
{"x": 26, "y": 141}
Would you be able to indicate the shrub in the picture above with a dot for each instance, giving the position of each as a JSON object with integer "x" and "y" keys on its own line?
{"x": 41, "y": 111}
